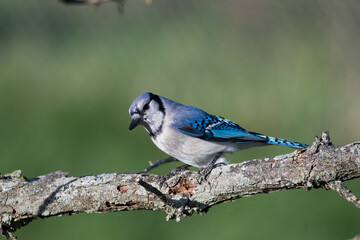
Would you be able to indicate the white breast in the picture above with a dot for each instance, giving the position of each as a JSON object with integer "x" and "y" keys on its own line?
{"x": 190, "y": 150}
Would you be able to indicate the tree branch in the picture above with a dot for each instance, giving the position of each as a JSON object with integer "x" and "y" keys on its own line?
{"x": 120, "y": 3}
{"x": 322, "y": 165}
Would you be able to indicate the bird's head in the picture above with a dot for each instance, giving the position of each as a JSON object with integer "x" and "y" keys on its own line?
{"x": 147, "y": 110}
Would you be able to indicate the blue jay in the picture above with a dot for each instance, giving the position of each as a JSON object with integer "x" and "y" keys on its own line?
{"x": 191, "y": 135}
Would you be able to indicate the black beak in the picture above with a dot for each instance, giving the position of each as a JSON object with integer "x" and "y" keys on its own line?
{"x": 135, "y": 122}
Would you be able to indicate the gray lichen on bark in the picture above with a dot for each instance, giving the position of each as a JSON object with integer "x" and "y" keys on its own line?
{"x": 322, "y": 165}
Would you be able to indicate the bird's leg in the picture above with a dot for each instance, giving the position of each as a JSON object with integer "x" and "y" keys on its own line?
{"x": 206, "y": 171}
{"x": 157, "y": 164}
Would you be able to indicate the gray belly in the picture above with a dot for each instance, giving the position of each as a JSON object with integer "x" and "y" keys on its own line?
{"x": 190, "y": 150}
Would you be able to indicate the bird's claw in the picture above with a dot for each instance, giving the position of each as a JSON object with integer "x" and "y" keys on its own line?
{"x": 172, "y": 173}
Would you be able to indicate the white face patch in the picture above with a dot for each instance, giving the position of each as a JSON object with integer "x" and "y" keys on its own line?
{"x": 154, "y": 117}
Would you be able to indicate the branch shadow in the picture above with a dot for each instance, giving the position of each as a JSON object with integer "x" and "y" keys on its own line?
{"x": 51, "y": 197}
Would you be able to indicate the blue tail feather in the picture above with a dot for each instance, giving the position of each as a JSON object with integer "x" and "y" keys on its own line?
{"x": 281, "y": 142}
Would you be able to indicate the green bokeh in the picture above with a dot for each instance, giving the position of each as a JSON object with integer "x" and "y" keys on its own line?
{"x": 69, "y": 73}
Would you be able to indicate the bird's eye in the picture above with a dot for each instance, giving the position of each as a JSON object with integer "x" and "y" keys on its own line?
{"x": 146, "y": 107}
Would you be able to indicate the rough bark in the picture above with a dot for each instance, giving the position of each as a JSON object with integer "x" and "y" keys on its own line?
{"x": 322, "y": 165}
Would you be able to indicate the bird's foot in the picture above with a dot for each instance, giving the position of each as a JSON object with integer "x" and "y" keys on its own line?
{"x": 206, "y": 171}
{"x": 173, "y": 172}
{"x": 179, "y": 169}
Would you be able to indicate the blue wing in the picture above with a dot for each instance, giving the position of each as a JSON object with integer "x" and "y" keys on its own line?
{"x": 218, "y": 129}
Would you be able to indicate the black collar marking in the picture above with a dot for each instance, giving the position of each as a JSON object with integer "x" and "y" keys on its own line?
{"x": 157, "y": 99}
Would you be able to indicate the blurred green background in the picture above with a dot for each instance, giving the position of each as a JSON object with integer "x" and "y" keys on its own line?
{"x": 288, "y": 69}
